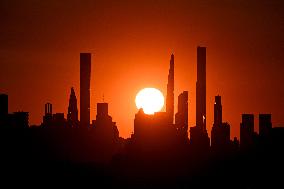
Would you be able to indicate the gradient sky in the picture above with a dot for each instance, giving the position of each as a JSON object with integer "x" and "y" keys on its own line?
{"x": 131, "y": 42}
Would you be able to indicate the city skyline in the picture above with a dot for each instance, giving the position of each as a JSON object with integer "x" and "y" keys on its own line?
{"x": 244, "y": 62}
{"x": 159, "y": 151}
{"x": 75, "y": 76}
{"x": 247, "y": 121}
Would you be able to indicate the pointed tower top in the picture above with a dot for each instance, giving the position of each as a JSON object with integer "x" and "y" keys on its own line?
{"x": 72, "y": 91}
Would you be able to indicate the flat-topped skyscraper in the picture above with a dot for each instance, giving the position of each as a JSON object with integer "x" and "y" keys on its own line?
{"x": 85, "y": 78}
{"x": 201, "y": 89}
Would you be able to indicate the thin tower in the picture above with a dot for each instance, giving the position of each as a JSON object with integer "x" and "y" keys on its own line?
{"x": 85, "y": 77}
{"x": 170, "y": 91}
{"x": 201, "y": 89}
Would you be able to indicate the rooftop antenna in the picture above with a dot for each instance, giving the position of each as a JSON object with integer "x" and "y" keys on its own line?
{"x": 103, "y": 97}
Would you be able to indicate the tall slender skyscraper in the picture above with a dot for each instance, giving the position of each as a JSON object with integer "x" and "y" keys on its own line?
{"x": 72, "y": 115}
{"x": 217, "y": 111}
{"x": 85, "y": 77}
{"x": 201, "y": 89}
{"x": 198, "y": 134}
{"x": 170, "y": 91}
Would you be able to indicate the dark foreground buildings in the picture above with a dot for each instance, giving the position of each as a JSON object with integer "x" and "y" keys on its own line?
{"x": 16, "y": 120}
{"x": 159, "y": 153}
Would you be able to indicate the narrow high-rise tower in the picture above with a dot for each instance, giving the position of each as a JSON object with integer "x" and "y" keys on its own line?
{"x": 85, "y": 77}
{"x": 201, "y": 89}
{"x": 170, "y": 91}
{"x": 217, "y": 111}
{"x": 72, "y": 115}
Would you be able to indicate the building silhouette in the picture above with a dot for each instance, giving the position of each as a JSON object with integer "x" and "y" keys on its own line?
{"x": 181, "y": 117}
{"x": 104, "y": 127}
{"x": 170, "y": 91}
{"x": 72, "y": 115}
{"x": 47, "y": 118}
{"x": 15, "y": 120}
{"x": 3, "y": 105}
{"x": 85, "y": 77}
{"x": 19, "y": 120}
{"x": 3, "y": 109}
{"x": 201, "y": 88}
{"x": 51, "y": 120}
{"x": 152, "y": 132}
{"x": 158, "y": 152}
{"x": 149, "y": 128}
{"x": 247, "y": 135}
{"x": 265, "y": 125}
{"x": 58, "y": 121}
{"x": 217, "y": 111}
{"x": 220, "y": 133}
{"x": 198, "y": 135}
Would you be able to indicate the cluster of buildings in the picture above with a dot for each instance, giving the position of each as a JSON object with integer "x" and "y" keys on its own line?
{"x": 18, "y": 119}
{"x": 103, "y": 125}
{"x": 165, "y": 127}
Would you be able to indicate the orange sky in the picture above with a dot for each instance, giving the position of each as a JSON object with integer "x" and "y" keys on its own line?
{"x": 131, "y": 42}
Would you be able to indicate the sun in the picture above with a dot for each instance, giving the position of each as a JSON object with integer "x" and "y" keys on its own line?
{"x": 151, "y": 100}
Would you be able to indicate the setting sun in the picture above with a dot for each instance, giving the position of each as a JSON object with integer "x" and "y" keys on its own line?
{"x": 150, "y": 99}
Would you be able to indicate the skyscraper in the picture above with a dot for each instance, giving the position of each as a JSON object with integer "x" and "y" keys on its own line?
{"x": 19, "y": 120}
{"x": 181, "y": 117}
{"x": 105, "y": 128}
{"x": 3, "y": 105}
{"x": 47, "y": 118}
{"x": 102, "y": 109}
{"x": 198, "y": 135}
{"x": 247, "y": 131}
{"x": 201, "y": 89}
{"x": 85, "y": 77}
{"x": 217, "y": 111}
{"x": 220, "y": 133}
{"x": 265, "y": 125}
{"x": 170, "y": 91}
{"x": 3, "y": 110}
{"x": 72, "y": 115}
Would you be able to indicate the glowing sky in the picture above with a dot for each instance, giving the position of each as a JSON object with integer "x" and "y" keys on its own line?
{"x": 131, "y": 42}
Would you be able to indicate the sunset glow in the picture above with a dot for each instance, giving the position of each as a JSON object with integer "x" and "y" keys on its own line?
{"x": 150, "y": 99}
